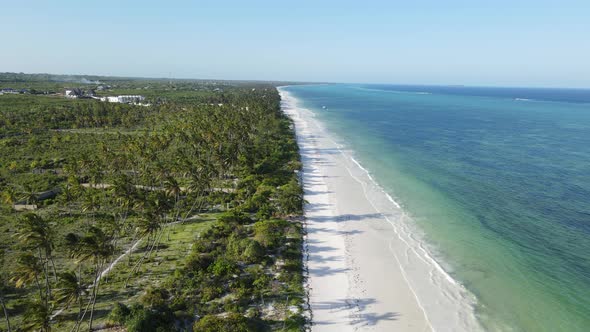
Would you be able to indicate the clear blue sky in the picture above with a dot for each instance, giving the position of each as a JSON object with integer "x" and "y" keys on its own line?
{"x": 476, "y": 42}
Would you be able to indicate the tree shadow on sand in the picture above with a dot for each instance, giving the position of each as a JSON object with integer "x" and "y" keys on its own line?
{"x": 317, "y": 206}
{"x": 360, "y": 311}
{"x": 332, "y": 231}
{"x": 314, "y": 152}
{"x": 312, "y": 248}
{"x": 348, "y": 217}
{"x": 323, "y": 271}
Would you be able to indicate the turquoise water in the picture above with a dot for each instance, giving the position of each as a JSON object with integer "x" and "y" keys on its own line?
{"x": 498, "y": 179}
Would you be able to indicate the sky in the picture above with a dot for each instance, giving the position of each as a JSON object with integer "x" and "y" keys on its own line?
{"x": 476, "y": 42}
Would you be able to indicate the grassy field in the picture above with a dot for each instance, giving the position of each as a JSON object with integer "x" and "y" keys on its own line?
{"x": 175, "y": 246}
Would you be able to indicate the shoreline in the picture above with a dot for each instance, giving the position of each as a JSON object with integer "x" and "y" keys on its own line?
{"x": 363, "y": 271}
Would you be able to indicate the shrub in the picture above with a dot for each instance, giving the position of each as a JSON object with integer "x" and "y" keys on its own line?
{"x": 290, "y": 198}
{"x": 234, "y": 216}
{"x": 265, "y": 211}
{"x": 269, "y": 232}
{"x": 253, "y": 252}
{"x": 147, "y": 320}
{"x": 139, "y": 321}
{"x": 295, "y": 321}
{"x": 211, "y": 292}
{"x": 223, "y": 267}
{"x": 119, "y": 313}
{"x": 197, "y": 262}
{"x": 247, "y": 186}
{"x": 232, "y": 322}
{"x": 259, "y": 199}
{"x": 155, "y": 297}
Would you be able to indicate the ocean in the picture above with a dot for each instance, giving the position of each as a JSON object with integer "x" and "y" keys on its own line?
{"x": 496, "y": 179}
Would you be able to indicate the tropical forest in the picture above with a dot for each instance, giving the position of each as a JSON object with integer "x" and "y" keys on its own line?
{"x": 179, "y": 212}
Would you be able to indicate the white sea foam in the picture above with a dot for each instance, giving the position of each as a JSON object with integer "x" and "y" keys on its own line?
{"x": 523, "y": 99}
{"x": 392, "y": 201}
{"x": 421, "y": 246}
{"x": 396, "y": 91}
{"x": 362, "y": 168}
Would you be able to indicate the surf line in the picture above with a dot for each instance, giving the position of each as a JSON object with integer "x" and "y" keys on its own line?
{"x": 397, "y": 205}
{"x": 363, "y": 184}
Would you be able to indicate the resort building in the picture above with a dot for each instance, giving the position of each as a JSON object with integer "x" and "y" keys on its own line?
{"x": 131, "y": 99}
{"x": 128, "y": 99}
{"x": 8, "y": 91}
{"x": 74, "y": 93}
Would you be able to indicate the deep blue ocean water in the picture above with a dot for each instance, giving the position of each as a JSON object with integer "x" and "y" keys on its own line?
{"x": 497, "y": 178}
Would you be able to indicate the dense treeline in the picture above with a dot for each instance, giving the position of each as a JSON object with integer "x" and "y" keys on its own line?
{"x": 105, "y": 188}
{"x": 25, "y": 114}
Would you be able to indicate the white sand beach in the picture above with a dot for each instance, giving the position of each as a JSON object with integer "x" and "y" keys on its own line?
{"x": 366, "y": 272}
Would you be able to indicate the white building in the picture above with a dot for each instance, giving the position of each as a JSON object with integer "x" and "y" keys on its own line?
{"x": 71, "y": 94}
{"x": 128, "y": 99}
{"x": 131, "y": 99}
{"x": 8, "y": 91}
{"x": 74, "y": 93}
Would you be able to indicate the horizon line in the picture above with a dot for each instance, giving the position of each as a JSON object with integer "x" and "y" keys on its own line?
{"x": 305, "y": 82}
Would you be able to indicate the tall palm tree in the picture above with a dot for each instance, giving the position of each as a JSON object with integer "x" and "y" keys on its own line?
{"x": 37, "y": 317}
{"x": 3, "y": 286}
{"x": 199, "y": 183}
{"x": 29, "y": 194}
{"x": 148, "y": 224}
{"x": 95, "y": 247}
{"x": 36, "y": 233}
{"x": 3, "y": 304}
{"x": 91, "y": 203}
{"x": 27, "y": 270}
{"x": 9, "y": 196}
{"x": 69, "y": 191}
{"x": 71, "y": 290}
{"x": 147, "y": 227}
{"x": 173, "y": 190}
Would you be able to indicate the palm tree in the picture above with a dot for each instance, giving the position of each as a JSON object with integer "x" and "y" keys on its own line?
{"x": 3, "y": 303}
{"x": 95, "y": 173}
{"x": 84, "y": 162}
{"x": 91, "y": 203}
{"x": 29, "y": 194}
{"x": 123, "y": 191}
{"x": 68, "y": 194}
{"x": 173, "y": 190}
{"x": 96, "y": 247}
{"x": 73, "y": 245}
{"x": 147, "y": 227}
{"x": 3, "y": 286}
{"x": 27, "y": 271}
{"x": 36, "y": 233}
{"x": 71, "y": 290}
{"x": 9, "y": 196}
{"x": 37, "y": 317}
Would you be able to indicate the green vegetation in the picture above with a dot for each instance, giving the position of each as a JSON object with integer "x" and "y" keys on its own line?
{"x": 178, "y": 216}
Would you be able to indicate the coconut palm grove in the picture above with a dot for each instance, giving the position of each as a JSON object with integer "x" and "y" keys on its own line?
{"x": 179, "y": 213}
